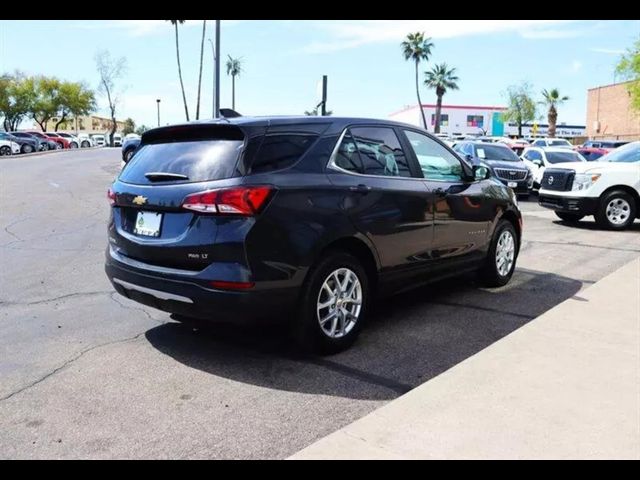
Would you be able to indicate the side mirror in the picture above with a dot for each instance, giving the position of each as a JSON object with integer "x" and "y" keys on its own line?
{"x": 537, "y": 162}
{"x": 480, "y": 172}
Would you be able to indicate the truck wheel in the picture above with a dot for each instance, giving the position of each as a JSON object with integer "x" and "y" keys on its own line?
{"x": 616, "y": 210}
{"x": 569, "y": 217}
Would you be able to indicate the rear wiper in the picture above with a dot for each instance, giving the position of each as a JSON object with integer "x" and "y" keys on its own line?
{"x": 160, "y": 176}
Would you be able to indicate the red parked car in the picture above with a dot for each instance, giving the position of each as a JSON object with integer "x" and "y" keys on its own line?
{"x": 59, "y": 139}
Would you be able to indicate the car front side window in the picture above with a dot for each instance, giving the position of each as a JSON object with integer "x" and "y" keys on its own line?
{"x": 436, "y": 162}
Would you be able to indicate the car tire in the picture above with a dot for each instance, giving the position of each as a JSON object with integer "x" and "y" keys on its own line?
{"x": 501, "y": 258}
{"x": 569, "y": 217}
{"x": 26, "y": 149}
{"x": 4, "y": 150}
{"x": 85, "y": 144}
{"x": 73, "y": 145}
{"x": 128, "y": 155}
{"x": 313, "y": 326}
{"x": 616, "y": 210}
{"x": 58, "y": 146}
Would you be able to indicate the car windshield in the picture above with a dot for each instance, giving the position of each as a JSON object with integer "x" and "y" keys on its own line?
{"x": 561, "y": 157}
{"x": 559, "y": 143}
{"x": 496, "y": 152}
{"x": 628, "y": 153}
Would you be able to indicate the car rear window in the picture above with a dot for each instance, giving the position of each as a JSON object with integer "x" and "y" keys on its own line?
{"x": 199, "y": 160}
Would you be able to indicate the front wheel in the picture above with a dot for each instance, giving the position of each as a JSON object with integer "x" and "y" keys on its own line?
{"x": 616, "y": 210}
{"x": 4, "y": 150}
{"x": 26, "y": 149}
{"x": 569, "y": 217}
{"x": 73, "y": 145}
{"x": 58, "y": 146}
{"x": 85, "y": 144}
{"x": 501, "y": 260}
{"x": 333, "y": 305}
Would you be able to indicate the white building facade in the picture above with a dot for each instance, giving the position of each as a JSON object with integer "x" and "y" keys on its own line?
{"x": 478, "y": 120}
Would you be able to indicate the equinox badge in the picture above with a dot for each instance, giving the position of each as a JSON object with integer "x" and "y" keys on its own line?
{"x": 140, "y": 200}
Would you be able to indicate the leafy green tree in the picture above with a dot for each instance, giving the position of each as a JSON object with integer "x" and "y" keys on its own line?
{"x": 175, "y": 23}
{"x": 417, "y": 48}
{"x": 129, "y": 126}
{"x": 17, "y": 94}
{"x": 46, "y": 103}
{"x": 74, "y": 99}
{"x": 141, "y": 129}
{"x": 520, "y": 105}
{"x": 441, "y": 78}
{"x": 234, "y": 68}
{"x": 629, "y": 68}
{"x": 552, "y": 99}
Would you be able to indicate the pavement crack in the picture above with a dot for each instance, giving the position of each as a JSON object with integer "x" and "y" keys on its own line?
{"x": 69, "y": 362}
{"x": 486, "y": 309}
{"x": 14, "y": 235}
{"x": 114, "y": 298}
{"x": 61, "y": 297}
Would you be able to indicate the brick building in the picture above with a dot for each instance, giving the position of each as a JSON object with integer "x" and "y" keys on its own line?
{"x": 609, "y": 113}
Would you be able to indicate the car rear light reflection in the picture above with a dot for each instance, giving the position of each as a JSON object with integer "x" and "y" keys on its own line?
{"x": 234, "y": 201}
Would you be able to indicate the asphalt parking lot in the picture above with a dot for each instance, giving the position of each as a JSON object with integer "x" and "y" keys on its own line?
{"x": 85, "y": 373}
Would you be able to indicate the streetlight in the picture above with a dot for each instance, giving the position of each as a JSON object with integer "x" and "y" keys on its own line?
{"x": 213, "y": 92}
{"x": 158, "y": 102}
{"x": 217, "y": 93}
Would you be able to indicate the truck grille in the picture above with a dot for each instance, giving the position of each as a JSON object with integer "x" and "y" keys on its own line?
{"x": 557, "y": 179}
{"x": 511, "y": 174}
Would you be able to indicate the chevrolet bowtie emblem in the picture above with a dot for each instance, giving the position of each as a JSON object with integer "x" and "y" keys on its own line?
{"x": 140, "y": 200}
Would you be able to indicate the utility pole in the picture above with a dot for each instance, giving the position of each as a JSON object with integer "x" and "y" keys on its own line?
{"x": 213, "y": 92}
{"x": 158, "y": 102}
{"x": 324, "y": 95}
{"x": 217, "y": 76}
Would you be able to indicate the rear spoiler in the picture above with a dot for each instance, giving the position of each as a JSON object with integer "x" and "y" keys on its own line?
{"x": 192, "y": 132}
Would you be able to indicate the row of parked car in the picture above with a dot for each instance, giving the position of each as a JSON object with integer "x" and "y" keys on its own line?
{"x": 599, "y": 178}
{"x": 13, "y": 143}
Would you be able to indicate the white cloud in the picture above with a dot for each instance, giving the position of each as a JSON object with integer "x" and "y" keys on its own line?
{"x": 350, "y": 34}
{"x": 610, "y": 51}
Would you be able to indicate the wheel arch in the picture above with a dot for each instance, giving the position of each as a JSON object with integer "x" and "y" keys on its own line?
{"x": 625, "y": 188}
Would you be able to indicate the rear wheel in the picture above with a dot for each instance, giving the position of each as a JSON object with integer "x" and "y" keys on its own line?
{"x": 58, "y": 146}
{"x": 85, "y": 144}
{"x": 4, "y": 150}
{"x": 26, "y": 148}
{"x": 616, "y": 211}
{"x": 128, "y": 155}
{"x": 569, "y": 217}
{"x": 501, "y": 260}
{"x": 73, "y": 145}
{"x": 333, "y": 305}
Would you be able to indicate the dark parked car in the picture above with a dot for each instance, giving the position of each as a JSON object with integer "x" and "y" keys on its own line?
{"x": 301, "y": 219}
{"x": 28, "y": 143}
{"x": 591, "y": 154}
{"x": 503, "y": 162}
{"x": 129, "y": 146}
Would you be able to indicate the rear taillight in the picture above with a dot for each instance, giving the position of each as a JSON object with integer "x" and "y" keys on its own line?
{"x": 229, "y": 201}
{"x": 111, "y": 196}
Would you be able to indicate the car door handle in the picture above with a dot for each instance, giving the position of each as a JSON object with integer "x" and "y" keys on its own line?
{"x": 440, "y": 192}
{"x": 361, "y": 188}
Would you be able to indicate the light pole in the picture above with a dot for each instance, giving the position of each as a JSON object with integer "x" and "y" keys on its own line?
{"x": 217, "y": 92}
{"x": 213, "y": 92}
{"x": 158, "y": 102}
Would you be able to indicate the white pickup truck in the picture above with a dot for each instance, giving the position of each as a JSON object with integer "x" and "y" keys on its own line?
{"x": 608, "y": 189}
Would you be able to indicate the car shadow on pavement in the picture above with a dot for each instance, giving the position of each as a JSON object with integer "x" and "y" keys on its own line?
{"x": 410, "y": 338}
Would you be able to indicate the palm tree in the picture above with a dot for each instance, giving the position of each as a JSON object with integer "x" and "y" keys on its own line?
{"x": 552, "y": 99}
{"x": 204, "y": 29}
{"x": 441, "y": 78}
{"x": 417, "y": 48}
{"x": 234, "y": 67}
{"x": 175, "y": 23}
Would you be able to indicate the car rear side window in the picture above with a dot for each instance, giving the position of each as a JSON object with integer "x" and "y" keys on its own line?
{"x": 199, "y": 160}
{"x": 380, "y": 152}
{"x": 347, "y": 156}
{"x": 280, "y": 151}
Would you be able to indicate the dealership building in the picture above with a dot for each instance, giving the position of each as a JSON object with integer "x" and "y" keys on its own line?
{"x": 477, "y": 120}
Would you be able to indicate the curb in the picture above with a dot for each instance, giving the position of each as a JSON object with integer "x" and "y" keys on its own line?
{"x": 51, "y": 152}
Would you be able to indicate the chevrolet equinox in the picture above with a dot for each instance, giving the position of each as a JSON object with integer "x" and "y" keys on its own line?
{"x": 305, "y": 220}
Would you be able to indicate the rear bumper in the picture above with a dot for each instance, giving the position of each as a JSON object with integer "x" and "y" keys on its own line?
{"x": 185, "y": 296}
{"x": 580, "y": 205}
